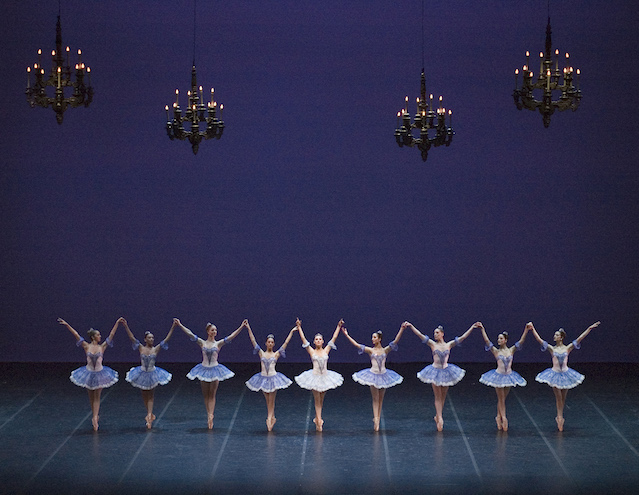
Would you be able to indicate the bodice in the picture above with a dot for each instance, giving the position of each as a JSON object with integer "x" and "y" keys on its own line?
{"x": 378, "y": 363}
{"x": 440, "y": 358}
{"x": 209, "y": 356}
{"x": 559, "y": 361}
{"x": 94, "y": 361}
{"x": 268, "y": 366}
{"x": 504, "y": 364}
{"x": 148, "y": 361}
{"x": 319, "y": 364}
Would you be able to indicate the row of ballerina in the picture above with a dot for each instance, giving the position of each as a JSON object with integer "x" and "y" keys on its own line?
{"x": 440, "y": 374}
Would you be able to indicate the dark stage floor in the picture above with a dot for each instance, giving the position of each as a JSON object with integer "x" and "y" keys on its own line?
{"x": 47, "y": 444}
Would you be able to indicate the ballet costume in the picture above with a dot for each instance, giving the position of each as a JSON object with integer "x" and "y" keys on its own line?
{"x": 441, "y": 372}
{"x": 319, "y": 378}
{"x": 94, "y": 375}
{"x": 560, "y": 375}
{"x": 503, "y": 376}
{"x": 147, "y": 376}
{"x": 210, "y": 370}
{"x": 268, "y": 380}
{"x": 377, "y": 375}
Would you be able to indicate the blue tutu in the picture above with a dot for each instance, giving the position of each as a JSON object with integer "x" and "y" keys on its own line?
{"x": 147, "y": 380}
{"x": 562, "y": 379}
{"x": 378, "y": 380}
{"x": 501, "y": 380}
{"x": 210, "y": 373}
{"x": 94, "y": 380}
{"x": 443, "y": 377}
{"x": 261, "y": 383}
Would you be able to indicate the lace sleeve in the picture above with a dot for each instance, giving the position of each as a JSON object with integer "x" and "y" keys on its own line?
{"x": 519, "y": 346}
{"x": 193, "y": 337}
{"x": 425, "y": 339}
{"x": 332, "y": 345}
{"x": 282, "y": 352}
{"x": 544, "y": 346}
{"x": 304, "y": 346}
{"x": 109, "y": 342}
{"x": 164, "y": 345}
{"x": 256, "y": 349}
{"x": 136, "y": 345}
{"x": 576, "y": 344}
{"x": 227, "y": 340}
{"x": 393, "y": 345}
{"x": 457, "y": 342}
{"x": 489, "y": 346}
{"x": 361, "y": 349}
{"x": 79, "y": 342}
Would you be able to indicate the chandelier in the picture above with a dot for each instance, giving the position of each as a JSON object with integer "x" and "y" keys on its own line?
{"x": 564, "y": 82}
{"x": 429, "y": 123}
{"x": 201, "y": 118}
{"x": 59, "y": 79}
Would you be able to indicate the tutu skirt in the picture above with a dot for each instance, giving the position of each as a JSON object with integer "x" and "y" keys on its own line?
{"x": 210, "y": 373}
{"x": 378, "y": 380}
{"x": 443, "y": 377}
{"x": 147, "y": 380}
{"x": 501, "y": 380}
{"x": 261, "y": 383}
{"x": 321, "y": 383}
{"x": 562, "y": 379}
{"x": 94, "y": 380}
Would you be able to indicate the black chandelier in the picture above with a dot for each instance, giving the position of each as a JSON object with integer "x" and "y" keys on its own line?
{"x": 550, "y": 79}
{"x": 201, "y": 118}
{"x": 429, "y": 122}
{"x": 60, "y": 79}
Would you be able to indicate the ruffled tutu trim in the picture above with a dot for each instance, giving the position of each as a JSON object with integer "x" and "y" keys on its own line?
{"x": 261, "y": 383}
{"x": 321, "y": 383}
{"x": 210, "y": 373}
{"x": 378, "y": 380}
{"x": 94, "y": 380}
{"x": 500, "y": 380}
{"x": 562, "y": 379}
{"x": 147, "y": 380}
{"x": 442, "y": 377}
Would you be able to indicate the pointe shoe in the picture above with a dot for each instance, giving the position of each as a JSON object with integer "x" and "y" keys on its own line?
{"x": 270, "y": 422}
{"x": 318, "y": 426}
{"x": 498, "y": 421}
{"x": 560, "y": 423}
{"x": 439, "y": 422}
{"x": 504, "y": 423}
{"x": 376, "y": 424}
{"x": 149, "y": 420}
{"x": 94, "y": 422}
{"x": 210, "y": 421}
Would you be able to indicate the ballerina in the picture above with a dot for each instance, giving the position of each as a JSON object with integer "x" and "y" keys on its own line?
{"x": 319, "y": 379}
{"x": 209, "y": 372}
{"x": 503, "y": 377}
{"x": 377, "y": 377}
{"x": 560, "y": 377}
{"x": 94, "y": 376}
{"x": 268, "y": 381}
{"x": 148, "y": 376}
{"x": 441, "y": 374}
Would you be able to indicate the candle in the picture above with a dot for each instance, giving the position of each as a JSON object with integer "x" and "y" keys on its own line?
{"x": 398, "y": 119}
{"x": 541, "y": 63}
{"x": 177, "y": 95}
{"x": 221, "y": 108}
{"x": 59, "y": 70}
{"x": 440, "y": 101}
{"x": 166, "y": 107}
{"x": 548, "y": 80}
{"x": 450, "y": 118}
{"x": 28, "y": 77}
{"x": 68, "y": 57}
{"x": 557, "y": 60}
{"x": 201, "y": 97}
{"x": 89, "y": 73}
{"x": 516, "y": 77}
{"x": 578, "y": 72}
{"x": 39, "y": 56}
{"x": 79, "y": 56}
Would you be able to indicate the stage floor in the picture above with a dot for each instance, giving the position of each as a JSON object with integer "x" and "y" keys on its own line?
{"x": 47, "y": 444}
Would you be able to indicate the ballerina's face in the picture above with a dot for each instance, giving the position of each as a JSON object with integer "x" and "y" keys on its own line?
{"x": 96, "y": 338}
{"x": 270, "y": 343}
{"x": 558, "y": 337}
{"x": 438, "y": 334}
{"x": 376, "y": 339}
{"x": 211, "y": 330}
{"x": 501, "y": 340}
{"x": 149, "y": 339}
{"x": 318, "y": 340}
